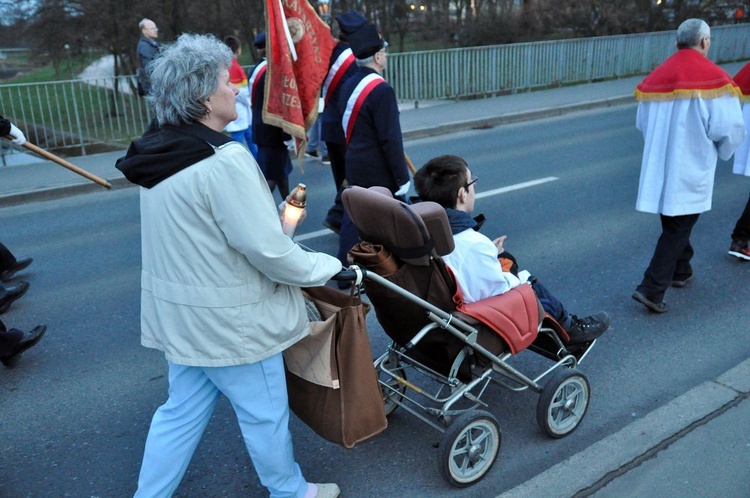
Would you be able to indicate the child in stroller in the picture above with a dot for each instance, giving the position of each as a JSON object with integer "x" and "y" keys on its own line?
{"x": 447, "y": 181}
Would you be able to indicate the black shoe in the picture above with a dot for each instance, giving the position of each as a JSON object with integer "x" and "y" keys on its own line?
{"x": 655, "y": 307}
{"x": 588, "y": 328}
{"x": 326, "y": 159}
{"x": 29, "y": 340}
{"x": 311, "y": 153}
{"x": 11, "y": 294}
{"x": 20, "y": 265}
{"x": 681, "y": 282}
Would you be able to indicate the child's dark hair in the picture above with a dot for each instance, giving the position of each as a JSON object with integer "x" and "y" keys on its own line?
{"x": 440, "y": 179}
{"x": 233, "y": 43}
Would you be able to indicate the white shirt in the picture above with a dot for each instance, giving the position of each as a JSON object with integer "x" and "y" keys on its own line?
{"x": 476, "y": 268}
{"x": 682, "y": 140}
{"x": 244, "y": 111}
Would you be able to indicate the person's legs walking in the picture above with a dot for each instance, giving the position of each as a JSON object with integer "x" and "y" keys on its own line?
{"x": 9, "y": 339}
{"x": 683, "y": 271}
{"x": 741, "y": 235}
{"x": 671, "y": 247}
{"x": 7, "y": 260}
{"x": 176, "y": 429}
{"x": 258, "y": 395}
{"x": 249, "y": 141}
{"x": 337, "y": 156}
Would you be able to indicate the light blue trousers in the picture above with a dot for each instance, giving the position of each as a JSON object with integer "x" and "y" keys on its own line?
{"x": 258, "y": 395}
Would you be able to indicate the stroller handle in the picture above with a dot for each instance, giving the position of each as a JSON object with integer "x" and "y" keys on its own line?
{"x": 352, "y": 274}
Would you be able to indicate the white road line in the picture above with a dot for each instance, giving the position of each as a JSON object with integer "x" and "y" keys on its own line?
{"x": 517, "y": 186}
{"x": 489, "y": 193}
{"x": 313, "y": 235}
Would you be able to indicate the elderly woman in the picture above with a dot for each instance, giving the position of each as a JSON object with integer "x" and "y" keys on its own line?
{"x": 221, "y": 282}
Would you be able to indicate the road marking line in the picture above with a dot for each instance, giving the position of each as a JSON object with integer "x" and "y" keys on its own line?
{"x": 313, "y": 235}
{"x": 517, "y": 186}
{"x": 489, "y": 193}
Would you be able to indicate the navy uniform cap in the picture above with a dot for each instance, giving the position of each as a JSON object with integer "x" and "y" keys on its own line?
{"x": 366, "y": 42}
{"x": 260, "y": 40}
{"x": 350, "y": 22}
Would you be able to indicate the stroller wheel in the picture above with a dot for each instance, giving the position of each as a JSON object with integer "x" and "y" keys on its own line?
{"x": 563, "y": 402}
{"x": 469, "y": 447}
{"x": 391, "y": 389}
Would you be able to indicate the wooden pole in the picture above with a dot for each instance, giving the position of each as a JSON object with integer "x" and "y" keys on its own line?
{"x": 410, "y": 165}
{"x": 62, "y": 162}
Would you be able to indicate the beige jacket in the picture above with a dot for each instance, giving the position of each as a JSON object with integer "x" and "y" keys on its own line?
{"x": 220, "y": 282}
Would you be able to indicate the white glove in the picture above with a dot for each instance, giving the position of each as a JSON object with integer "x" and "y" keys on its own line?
{"x": 403, "y": 189}
{"x": 18, "y": 137}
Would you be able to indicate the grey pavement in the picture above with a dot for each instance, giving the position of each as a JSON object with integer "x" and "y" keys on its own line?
{"x": 695, "y": 445}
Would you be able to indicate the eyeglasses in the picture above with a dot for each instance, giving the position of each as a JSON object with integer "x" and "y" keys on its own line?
{"x": 474, "y": 180}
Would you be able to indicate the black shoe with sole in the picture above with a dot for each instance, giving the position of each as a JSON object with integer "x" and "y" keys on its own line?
{"x": 29, "y": 340}
{"x": 20, "y": 265}
{"x": 588, "y": 328}
{"x": 652, "y": 306}
{"x": 681, "y": 282}
{"x": 12, "y": 294}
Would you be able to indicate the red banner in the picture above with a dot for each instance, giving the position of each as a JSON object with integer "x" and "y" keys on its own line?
{"x": 293, "y": 86}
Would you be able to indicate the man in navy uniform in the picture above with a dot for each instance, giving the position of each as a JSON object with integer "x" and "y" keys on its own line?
{"x": 273, "y": 155}
{"x": 341, "y": 67}
{"x": 370, "y": 121}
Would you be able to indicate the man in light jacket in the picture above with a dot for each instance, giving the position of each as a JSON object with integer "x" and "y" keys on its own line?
{"x": 689, "y": 113}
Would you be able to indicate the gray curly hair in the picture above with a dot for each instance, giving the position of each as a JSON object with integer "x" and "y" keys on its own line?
{"x": 184, "y": 75}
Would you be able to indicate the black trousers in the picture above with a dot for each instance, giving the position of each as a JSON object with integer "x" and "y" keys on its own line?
{"x": 742, "y": 228}
{"x": 9, "y": 339}
{"x": 672, "y": 255}
{"x": 7, "y": 260}
{"x": 337, "y": 156}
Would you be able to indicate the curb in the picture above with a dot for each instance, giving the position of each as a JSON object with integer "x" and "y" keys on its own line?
{"x": 515, "y": 117}
{"x": 52, "y": 193}
{"x": 613, "y": 456}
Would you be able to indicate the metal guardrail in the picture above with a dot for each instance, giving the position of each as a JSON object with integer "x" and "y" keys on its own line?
{"x": 477, "y": 71}
{"x": 86, "y": 112}
{"x": 77, "y": 113}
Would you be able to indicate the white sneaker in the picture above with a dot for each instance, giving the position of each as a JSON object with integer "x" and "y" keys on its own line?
{"x": 328, "y": 490}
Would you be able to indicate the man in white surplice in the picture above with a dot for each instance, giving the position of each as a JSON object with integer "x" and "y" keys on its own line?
{"x": 689, "y": 113}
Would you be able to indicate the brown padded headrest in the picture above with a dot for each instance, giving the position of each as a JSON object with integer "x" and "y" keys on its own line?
{"x": 412, "y": 232}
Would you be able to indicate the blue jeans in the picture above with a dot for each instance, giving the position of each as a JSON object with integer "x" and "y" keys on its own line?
{"x": 247, "y": 137}
{"x": 257, "y": 392}
{"x": 552, "y": 305}
{"x": 314, "y": 142}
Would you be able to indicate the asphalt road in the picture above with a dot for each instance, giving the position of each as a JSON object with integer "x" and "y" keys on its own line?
{"x": 76, "y": 410}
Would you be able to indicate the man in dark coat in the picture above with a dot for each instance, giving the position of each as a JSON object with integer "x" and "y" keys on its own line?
{"x": 341, "y": 67}
{"x": 370, "y": 121}
{"x": 273, "y": 155}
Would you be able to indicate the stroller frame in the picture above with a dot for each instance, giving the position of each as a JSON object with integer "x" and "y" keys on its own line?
{"x": 403, "y": 249}
{"x": 559, "y": 411}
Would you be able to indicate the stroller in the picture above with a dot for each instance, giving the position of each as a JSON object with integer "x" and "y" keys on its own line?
{"x": 442, "y": 360}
